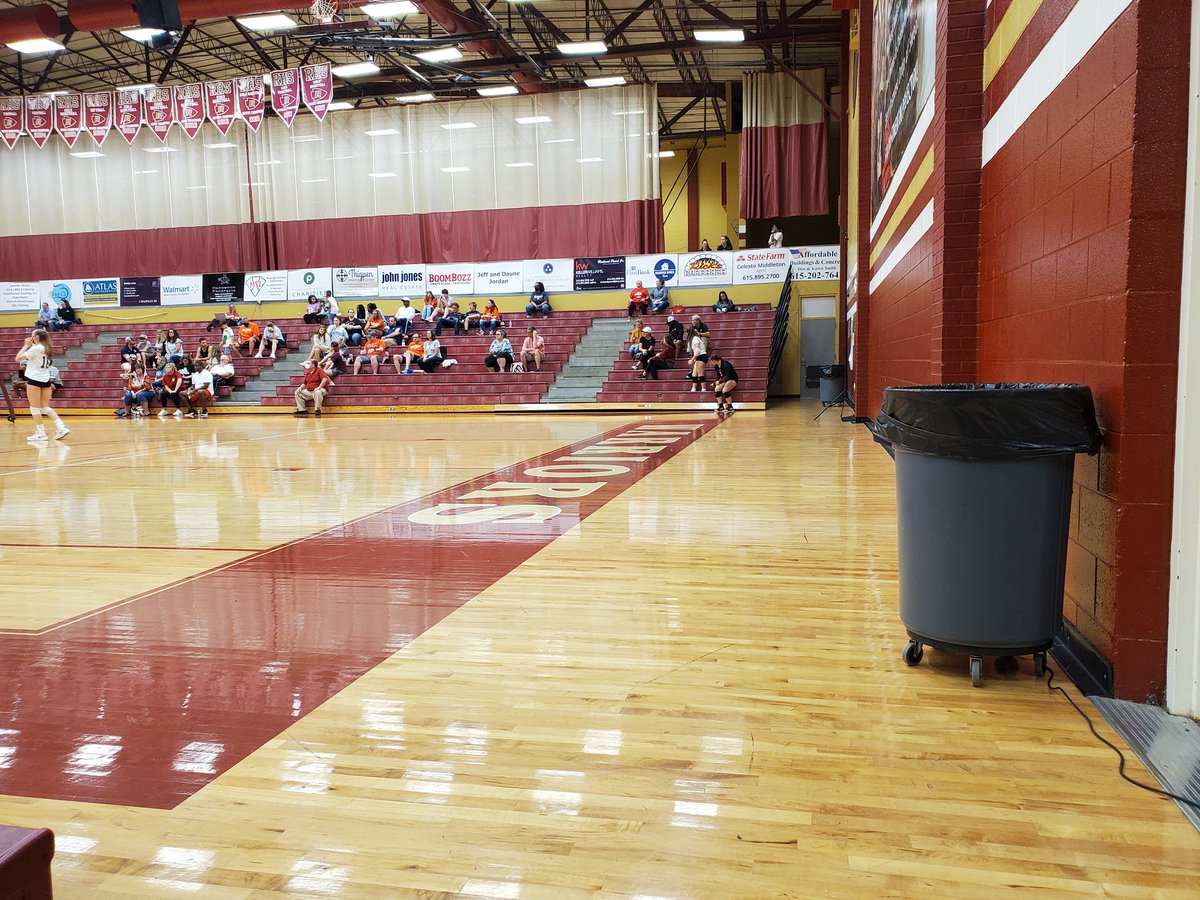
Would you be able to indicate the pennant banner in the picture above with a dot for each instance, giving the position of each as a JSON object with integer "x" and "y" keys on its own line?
{"x": 189, "y": 108}
{"x": 38, "y": 116}
{"x": 285, "y": 94}
{"x": 98, "y": 115}
{"x": 219, "y": 104}
{"x": 316, "y": 84}
{"x": 68, "y": 117}
{"x": 10, "y": 120}
{"x": 160, "y": 111}
{"x": 250, "y": 100}
{"x": 129, "y": 114}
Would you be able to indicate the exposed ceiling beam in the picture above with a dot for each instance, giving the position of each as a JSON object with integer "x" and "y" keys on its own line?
{"x": 180, "y": 43}
{"x": 619, "y": 29}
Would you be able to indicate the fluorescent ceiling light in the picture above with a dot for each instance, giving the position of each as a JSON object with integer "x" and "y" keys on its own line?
{"x": 272, "y": 22}
{"x": 197, "y": 187}
{"x": 380, "y": 132}
{"x": 608, "y": 81}
{"x": 146, "y": 172}
{"x": 142, "y": 35}
{"x": 663, "y": 154}
{"x": 390, "y": 10}
{"x": 442, "y": 54}
{"x": 720, "y": 35}
{"x": 336, "y": 158}
{"x": 254, "y": 184}
{"x": 587, "y": 159}
{"x": 137, "y": 87}
{"x": 415, "y": 98}
{"x": 160, "y": 149}
{"x": 501, "y": 91}
{"x": 381, "y": 174}
{"x": 339, "y": 104}
{"x": 455, "y": 126}
{"x": 270, "y": 162}
{"x": 306, "y": 138}
{"x": 36, "y": 45}
{"x": 533, "y": 120}
{"x": 582, "y": 48}
{"x": 630, "y": 112}
{"x": 559, "y": 141}
{"x": 356, "y": 70}
{"x": 450, "y": 170}
{"x": 90, "y": 154}
{"x": 313, "y": 180}
{"x": 225, "y": 145}
{"x": 520, "y": 165}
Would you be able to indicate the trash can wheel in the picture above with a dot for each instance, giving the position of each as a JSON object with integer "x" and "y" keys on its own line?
{"x": 913, "y": 651}
{"x": 1039, "y": 664}
{"x": 976, "y": 671}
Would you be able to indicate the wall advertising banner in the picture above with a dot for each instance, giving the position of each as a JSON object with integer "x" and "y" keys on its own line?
{"x": 59, "y": 289}
{"x": 355, "y": 281}
{"x": 822, "y": 263}
{"x": 706, "y": 268}
{"x": 647, "y": 268}
{"x": 285, "y": 94}
{"x": 402, "y": 281}
{"x": 38, "y": 115}
{"x": 499, "y": 277}
{"x": 143, "y": 291}
{"x": 600, "y": 273}
{"x": 98, "y": 115}
{"x": 181, "y": 290}
{"x": 302, "y": 282}
{"x": 11, "y": 120}
{"x": 129, "y": 114}
{"x": 761, "y": 266}
{"x": 100, "y": 291}
{"x": 251, "y": 104}
{"x": 219, "y": 104}
{"x": 68, "y": 117}
{"x": 19, "y": 296}
{"x": 556, "y": 275}
{"x": 223, "y": 287}
{"x": 267, "y": 287}
{"x": 457, "y": 278}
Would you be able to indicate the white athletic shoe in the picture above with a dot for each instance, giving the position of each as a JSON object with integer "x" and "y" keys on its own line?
{"x": 37, "y": 437}
{"x": 179, "y": 413}
{"x": 62, "y": 432}
{"x": 162, "y": 413}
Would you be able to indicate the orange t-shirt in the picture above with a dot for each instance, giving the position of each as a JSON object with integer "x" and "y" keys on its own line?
{"x": 417, "y": 348}
{"x": 491, "y": 312}
{"x": 639, "y": 294}
{"x": 375, "y": 347}
{"x": 248, "y": 331}
{"x": 375, "y": 322}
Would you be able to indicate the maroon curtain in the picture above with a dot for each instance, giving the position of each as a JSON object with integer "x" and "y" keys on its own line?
{"x": 481, "y": 235}
{"x": 784, "y": 171}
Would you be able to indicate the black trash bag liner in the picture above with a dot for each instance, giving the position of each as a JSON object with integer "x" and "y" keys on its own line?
{"x": 835, "y": 371}
{"x": 989, "y": 421}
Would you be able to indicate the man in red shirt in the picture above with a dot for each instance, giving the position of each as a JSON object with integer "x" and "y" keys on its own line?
{"x": 247, "y": 336}
{"x": 639, "y": 301}
{"x": 315, "y": 386}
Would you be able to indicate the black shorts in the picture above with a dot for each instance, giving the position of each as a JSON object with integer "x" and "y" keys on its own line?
{"x": 35, "y": 383}
{"x": 701, "y": 357}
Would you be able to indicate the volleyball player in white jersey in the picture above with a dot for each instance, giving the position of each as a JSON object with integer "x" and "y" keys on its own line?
{"x": 38, "y": 356}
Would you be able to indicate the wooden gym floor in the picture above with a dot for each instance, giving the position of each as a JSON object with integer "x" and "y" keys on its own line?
{"x": 257, "y": 657}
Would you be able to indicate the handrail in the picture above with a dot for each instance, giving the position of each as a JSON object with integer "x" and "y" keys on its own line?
{"x": 780, "y": 331}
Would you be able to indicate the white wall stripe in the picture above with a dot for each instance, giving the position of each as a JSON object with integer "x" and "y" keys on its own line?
{"x": 910, "y": 153}
{"x": 1076, "y": 36}
{"x": 921, "y": 224}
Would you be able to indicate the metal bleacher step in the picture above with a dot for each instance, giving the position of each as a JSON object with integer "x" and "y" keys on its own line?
{"x": 92, "y": 345}
{"x": 587, "y": 367}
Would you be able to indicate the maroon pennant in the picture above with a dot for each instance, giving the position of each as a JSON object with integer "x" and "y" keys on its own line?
{"x": 129, "y": 114}
{"x": 10, "y": 120}
{"x": 68, "y": 117}
{"x": 189, "y": 108}
{"x": 160, "y": 111}
{"x": 285, "y": 94}
{"x": 219, "y": 105}
{"x": 39, "y": 118}
{"x": 316, "y": 84}
{"x": 250, "y": 101}
{"x": 98, "y": 115}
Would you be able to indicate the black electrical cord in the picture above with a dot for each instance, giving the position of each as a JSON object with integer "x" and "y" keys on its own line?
{"x": 1050, "y": 685}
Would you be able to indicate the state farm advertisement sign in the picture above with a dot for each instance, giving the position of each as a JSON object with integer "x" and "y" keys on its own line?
{"x": 402, "y": 281}
{"x": 706, "y": 268}
{"x": 458, "y": 278}
{"x": 499, "y": 277}
{"x": 759, "y": 266}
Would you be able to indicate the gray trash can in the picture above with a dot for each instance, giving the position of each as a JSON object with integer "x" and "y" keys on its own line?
{"x": 983, "y": 496}
{"x": 833, "y": 384}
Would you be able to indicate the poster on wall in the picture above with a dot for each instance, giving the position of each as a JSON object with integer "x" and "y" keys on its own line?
{"x": 10, "y": 120}
{"x": 160, "y": 111}
{"x": 402, "y": 281}
{"x": 142, "y": 291}
{"x": 68, "y": 117}
{"x": 189, "y": 108}
{"x": 761, "y": 266}
{"x": 706, "y": 268}
{"x": 302, "y": 282}
{"x": 81, "y": 292}
{"x": 38, "y": 116}
{"x": 18, "y": 296}
{"x": 129, "y": 114}
{"x": 181, "y": 290}
{"x": 904, "y": 32}
{"x": 100, "y": 291}
{"x": 355, "y": 281}
{"x": 285, "y": 95}
{"x": 223, "y": 287}
{"x": 499, "y": 277}
{"x": 98, "y": 115}
{"x": 457, "y": 278}
{"x": 316, "y": 84}
{"x": 219, "y": 104}
{"x": 599, "y": 273}
{"x": 266, "y": 287}
{"x": 556, "y": 275}
{"x": 820, "y": 263}
{"x": 251, "y": 104}
{"x": 647, "y": 269}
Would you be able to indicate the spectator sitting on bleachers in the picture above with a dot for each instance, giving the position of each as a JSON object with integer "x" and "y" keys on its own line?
{"x": 354, "y": 328}
{"x": 146, "y": 350}
{"x": 441, "y": 307}
{"x": 204, "y": 350}
{"x": 129, "y": 351}
{"x": 338, "y": 332}
{"x": 393, "y": 332}
{"x": 138, "y": 391}
{"x": 47, "y": 318}
{"x": 375, "y": 320}
{"x": 471, "y": 317}
{"x": 170, "y": 392}
{"x": 185, "y": 368}
{"x": 172, "y": 346}
{"x": 674, "y": 334}
{"x": 66, "y": 313}
{"x": 222, "y": 373}
{"x": 645, "y": 347}
{"x": 336, "y": 360}
{"x": 201, "y": 393}
{"x": 539, "y": 301}
{"x": 489, "y": 321}
{"x": 248, "y": 335}
{"x": 500, "y": 353}
{"x": 228, "y": 339}
{"x": 160, "y": 342}
{"x": 315, "y": 386}
{"x": 405, "y": 314}
{"x": 414, "y": 351}
{"x": 635, "y": 339}
{"x": 533, "y": 350}
{"x": 160, "y": 368}
{"x": 724, "y": 304}
{"x": 375, "y": 350}
{"x": 431, "y": 354}
{"x": 639, "y": 301}
{"x": 429, "y": 305}
{"x": 331, "y": 305}
{"x": 663, "y": 359}
{"x": 313, "y": 310}
{"x": 451, "y": 317}
{"x": 230, "y": 317}
{"x": 658, "y": 297}
{"x": 320, "y": 343}
{"x": 273, "y": 336}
